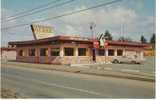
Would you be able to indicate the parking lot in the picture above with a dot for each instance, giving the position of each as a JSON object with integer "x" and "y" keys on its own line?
{"x": 147, "y": 67}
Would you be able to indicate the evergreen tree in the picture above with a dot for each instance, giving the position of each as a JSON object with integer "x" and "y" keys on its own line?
{"x": 124, "y": 39}
{"x": 152, "y": 40}
{"x": 107, "y": 35}
{"x": 143, "y": 39}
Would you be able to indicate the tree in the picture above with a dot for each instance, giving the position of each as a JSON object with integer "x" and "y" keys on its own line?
{"x": 143, "y": 39}
{"x": 124, "y": 39}
{"x": 107, "y": 35}
{"x": 152, "y": 40}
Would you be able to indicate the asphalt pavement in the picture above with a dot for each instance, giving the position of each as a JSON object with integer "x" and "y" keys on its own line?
{"x": 35, "y": 83}
{"x": 147, "y": 67}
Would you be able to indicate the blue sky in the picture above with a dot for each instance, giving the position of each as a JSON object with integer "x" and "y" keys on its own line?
{"x": 129, "y": 18}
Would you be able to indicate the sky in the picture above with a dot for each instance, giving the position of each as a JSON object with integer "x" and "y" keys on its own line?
{"x": 128, "y": 18}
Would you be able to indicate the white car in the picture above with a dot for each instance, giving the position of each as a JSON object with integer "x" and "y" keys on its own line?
{"x": 125, "y": 59}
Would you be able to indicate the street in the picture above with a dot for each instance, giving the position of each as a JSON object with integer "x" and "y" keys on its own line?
{"x": 34, "y": 83}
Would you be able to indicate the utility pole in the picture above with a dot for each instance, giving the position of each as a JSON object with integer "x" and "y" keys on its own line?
{"x": 92, "y": 26}
{"x": 122, "y": 31}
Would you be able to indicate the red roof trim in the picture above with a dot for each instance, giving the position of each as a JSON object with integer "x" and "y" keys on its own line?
{"x": 127, "y": 43}
{"x": 65, "y": 38}
{"x": 80, "y": 39}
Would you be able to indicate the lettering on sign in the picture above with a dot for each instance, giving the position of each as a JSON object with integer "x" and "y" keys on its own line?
{"x": 40, "y": 31}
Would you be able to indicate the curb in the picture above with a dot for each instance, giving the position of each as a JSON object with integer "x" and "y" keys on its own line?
{"x": 120, "y": 76}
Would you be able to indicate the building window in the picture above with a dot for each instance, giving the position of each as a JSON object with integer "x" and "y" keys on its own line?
{"x": 82, "y": 51}
{"x": 21, "y": 53}
{"x": 55, "y": 52}
{"x": 119, "y": 52}
{"x": 31, "y": 52}
{"x": 43, "y": 52}
{"x": 69, "y": 51}
{"x": 110, "y": 52}
{"x": 101, "y": 52}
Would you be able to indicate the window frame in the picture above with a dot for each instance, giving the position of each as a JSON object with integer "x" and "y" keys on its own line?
{"x": 85, "y": 54}
{"x": 21, "y": 53}
{"x": 45, "y": 54}
{"x": 118, "y": 52}
{"x": 109, "y": 54}
{"x": 103, "y": 52}
{"x": 51, "y": 52}
{"x": 69, "y": 54}
{"x": 31, "y": 51}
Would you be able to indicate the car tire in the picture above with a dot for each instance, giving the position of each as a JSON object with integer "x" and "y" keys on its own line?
{"x": 115, "y": 61}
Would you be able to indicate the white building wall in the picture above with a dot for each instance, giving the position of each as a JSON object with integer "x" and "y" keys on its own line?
{"x": 61, "y": 52}
{"x": 115, "y": 52}
{"x": 9, "y": 55}
{"x": 106, "y": 52}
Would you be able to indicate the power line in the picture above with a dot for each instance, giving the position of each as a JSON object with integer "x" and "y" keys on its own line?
{"x": 65, "y": 14}
{"x": 30, "y": 10}
{"x": 41, "y": 10}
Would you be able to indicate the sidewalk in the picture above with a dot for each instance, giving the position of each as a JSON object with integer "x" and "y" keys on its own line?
{"x": 86, "y": 70}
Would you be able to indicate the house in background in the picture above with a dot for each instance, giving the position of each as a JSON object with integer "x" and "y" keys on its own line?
{"x": 8, "y": 53}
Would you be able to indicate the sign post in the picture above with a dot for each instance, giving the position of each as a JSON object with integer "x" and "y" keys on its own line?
{"x": 92, "y": 26}
{"x": 95, "y": 45}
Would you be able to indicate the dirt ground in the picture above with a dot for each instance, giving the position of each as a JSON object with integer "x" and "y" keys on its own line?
{"x": 6, "y": 93}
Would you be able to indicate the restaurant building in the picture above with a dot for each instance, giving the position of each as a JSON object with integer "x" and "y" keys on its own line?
{"x": 74, "y": 50}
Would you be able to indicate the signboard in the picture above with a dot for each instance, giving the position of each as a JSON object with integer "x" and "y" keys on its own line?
{"x": 106, "y": 45}
{"x": 40, "y": 31}
{"x": 102, "y": 41}
{"x": 96, "y": 44}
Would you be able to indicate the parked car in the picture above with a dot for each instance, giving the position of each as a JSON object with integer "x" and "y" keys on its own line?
{"x": 125, "y": 59}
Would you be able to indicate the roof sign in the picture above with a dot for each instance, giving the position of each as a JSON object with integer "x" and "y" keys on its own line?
{"x": 101, "y": 39}
{"x": 40, "y": 31}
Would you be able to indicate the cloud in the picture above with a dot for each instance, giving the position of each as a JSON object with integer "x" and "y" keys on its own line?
{"x": 70, "y": 30}
{"x": 101, "y": 17}
{"x": 5, "y": 14}
{"x": 113, "y": 19}
{"x": 5, "y": 24}
{"x": 16, "y": 33}
{"x": 116, "y": 19}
